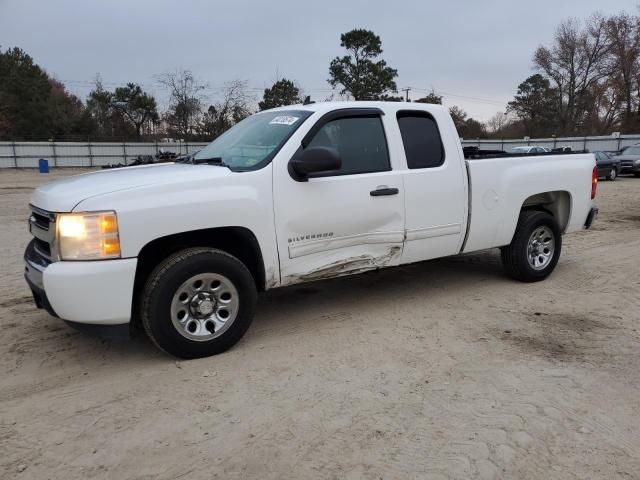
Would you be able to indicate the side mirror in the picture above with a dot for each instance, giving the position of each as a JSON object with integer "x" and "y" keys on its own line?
{"x": 314, "y": 160}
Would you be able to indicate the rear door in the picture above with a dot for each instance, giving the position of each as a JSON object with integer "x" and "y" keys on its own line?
{"x": 347, "y": 220}
{"x": 435, "y": 186}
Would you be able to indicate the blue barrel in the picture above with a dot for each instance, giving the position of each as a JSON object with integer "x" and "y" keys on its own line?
{"x": 43, "y": 165}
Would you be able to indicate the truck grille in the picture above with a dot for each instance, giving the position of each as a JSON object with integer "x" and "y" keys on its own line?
{"x": 42, "y": 227}
{"x": 41, "y": 220}
{"x": 43, "y": 248}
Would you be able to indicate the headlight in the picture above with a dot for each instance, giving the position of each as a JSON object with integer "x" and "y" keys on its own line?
{"x": 88, "y": 236}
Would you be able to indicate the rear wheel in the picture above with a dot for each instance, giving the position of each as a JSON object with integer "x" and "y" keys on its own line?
{"x": 198, "y": 302}
{"x": 535, "y": 248}
{"x": 613, "y": 174}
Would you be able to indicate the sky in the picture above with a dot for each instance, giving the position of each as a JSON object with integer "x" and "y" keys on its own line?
{"x": 473, "y": 52}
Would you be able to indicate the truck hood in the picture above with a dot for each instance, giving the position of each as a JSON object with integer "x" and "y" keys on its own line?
{"x": 64, "y": 194}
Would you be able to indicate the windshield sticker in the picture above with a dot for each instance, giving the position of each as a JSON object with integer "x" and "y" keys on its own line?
{"x": 284, "y": 120}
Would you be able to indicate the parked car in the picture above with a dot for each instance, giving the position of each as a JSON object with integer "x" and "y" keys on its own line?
{"x": 629, "y": 160}
{"x": 608, "y": 165}
{"x": 290, "y": 195}
{"x": 564, "y": 148}
{"x": 529, "y": 149}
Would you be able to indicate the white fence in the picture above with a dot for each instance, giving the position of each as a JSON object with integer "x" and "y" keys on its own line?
{"x": 84, "y": 154}
{"x": 88, "y": 154}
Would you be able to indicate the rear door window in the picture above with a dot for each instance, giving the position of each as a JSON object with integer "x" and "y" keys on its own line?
{"x": 421, "y": 138}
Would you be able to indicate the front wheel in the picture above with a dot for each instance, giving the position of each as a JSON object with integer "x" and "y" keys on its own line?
{"x": 535, "y": 248}
{"x": 198, "y": 302}
{"x": 613, "y": 174}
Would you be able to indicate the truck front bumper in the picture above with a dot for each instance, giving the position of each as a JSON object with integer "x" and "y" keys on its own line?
{"x": 92, "y": 292}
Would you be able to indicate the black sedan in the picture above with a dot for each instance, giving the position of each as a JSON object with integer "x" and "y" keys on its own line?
{"x": 629, "y": 160}
{"x": 608, "y": 165}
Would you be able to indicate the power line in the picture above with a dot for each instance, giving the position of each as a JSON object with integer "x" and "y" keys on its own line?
{"x": 477, "y": 99}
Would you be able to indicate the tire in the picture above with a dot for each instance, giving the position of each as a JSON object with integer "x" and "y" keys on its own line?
{"x": 198, "y": 302}
{"x": 516, "y": 257}
{"x": 613, "y": 174}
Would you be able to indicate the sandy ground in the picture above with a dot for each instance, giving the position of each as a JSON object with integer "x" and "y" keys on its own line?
{"x": 445, "y": 369}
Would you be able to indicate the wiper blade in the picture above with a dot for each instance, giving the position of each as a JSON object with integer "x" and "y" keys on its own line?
{"x": 210, "y": 161}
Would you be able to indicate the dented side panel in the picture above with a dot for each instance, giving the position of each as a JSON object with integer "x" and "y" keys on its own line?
{"x": 348, "y": 266}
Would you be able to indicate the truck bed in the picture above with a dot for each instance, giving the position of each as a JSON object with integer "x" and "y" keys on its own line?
{"x": 501, "y": 184}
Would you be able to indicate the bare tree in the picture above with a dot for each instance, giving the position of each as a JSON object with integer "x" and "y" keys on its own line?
{"x": 186, "y": 95}
{"x": 605, "y": 116}
{"x": 233, "y": 107}
{"x": 574, "y": 65}
{"x": 499, "y": 121}
{"x": 623, "y": 35}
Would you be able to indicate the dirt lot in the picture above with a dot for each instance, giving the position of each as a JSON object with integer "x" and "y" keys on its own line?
{"x": 444, "y": 369}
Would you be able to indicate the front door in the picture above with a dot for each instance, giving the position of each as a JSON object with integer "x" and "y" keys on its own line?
{"x": 343, "y": 221}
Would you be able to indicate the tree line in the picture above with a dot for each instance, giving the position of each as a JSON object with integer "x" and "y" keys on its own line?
{"x": 586, "y": 82}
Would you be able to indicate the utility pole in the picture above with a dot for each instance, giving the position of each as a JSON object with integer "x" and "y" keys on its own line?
{"x": 406, "y": 91}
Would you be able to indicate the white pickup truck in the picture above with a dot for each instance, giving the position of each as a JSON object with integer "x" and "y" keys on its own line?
{"x": 290, "y": 195}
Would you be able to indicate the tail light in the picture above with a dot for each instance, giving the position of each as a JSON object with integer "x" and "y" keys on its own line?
{"x": 594, "y": 182}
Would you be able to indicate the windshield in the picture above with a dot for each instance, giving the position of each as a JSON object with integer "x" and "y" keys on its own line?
{"x": 252, "y": 143}
{"x": 631, "y": 151}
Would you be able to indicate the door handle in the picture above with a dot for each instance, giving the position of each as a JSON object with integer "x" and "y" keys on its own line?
{"x": 380, "y": 191}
